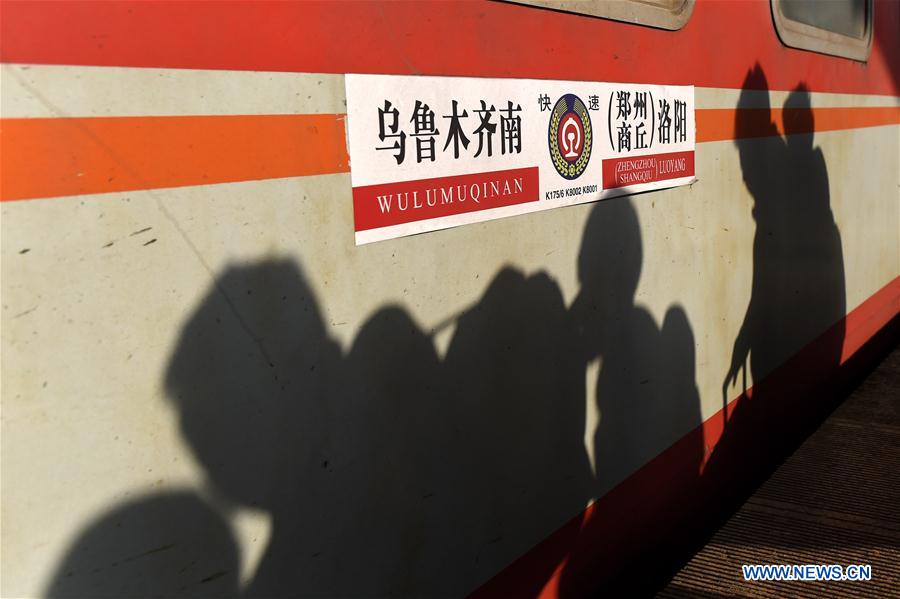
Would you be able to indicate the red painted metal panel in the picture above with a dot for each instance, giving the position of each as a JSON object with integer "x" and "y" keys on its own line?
{"x": 719, "y": 44}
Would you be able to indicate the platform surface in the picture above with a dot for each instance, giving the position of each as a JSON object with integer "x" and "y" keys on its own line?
{"x": 836, "y": 500}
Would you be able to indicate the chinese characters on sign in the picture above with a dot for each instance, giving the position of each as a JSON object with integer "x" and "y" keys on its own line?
{"x": 631, "y": 128}
{"x": 425, "y": 133}
{"x": 429, "y": 153}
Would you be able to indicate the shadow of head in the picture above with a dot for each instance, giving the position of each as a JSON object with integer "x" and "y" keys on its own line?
{"x": 799, "y": 123}
{"x": 130, "y": 552}
{"x": 755, "y": 133}
{"x": 246, "y": 378}
{"x": 611, "y": 254}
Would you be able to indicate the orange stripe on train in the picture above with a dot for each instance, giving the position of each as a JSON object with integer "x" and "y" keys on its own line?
{"x": 718, "y": 124}
{"x": 42, "y": 158}
{"x": 70, "y": 156}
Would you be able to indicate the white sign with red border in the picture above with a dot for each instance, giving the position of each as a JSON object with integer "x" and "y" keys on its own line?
{"x": 428, "y": 153}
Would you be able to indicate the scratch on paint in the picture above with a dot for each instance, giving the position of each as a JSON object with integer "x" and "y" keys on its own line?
{"x": 29, "y": 311}
{"x": 214, "y": 576}
{"x": 149, "y": 552}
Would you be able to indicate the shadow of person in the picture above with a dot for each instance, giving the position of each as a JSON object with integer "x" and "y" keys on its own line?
{"x": 645, "y": 387}
{"x": 397, "y": 456}
{"x": 249, "y": 379}
{"x": 351, "y": 455}
{"x": 253, "y": 378}
{"x": 166, "y": 545}
{"x": 436, "y": 475}
{"x": 647, "y": 400}
{"x": 517, "y": 397}
{"x": 798, "y": 269}
{"x": 384, "y": 472}
{"x": 817, "y": 264}
{"x": 426, "y": 476}
{"x": 793, "y": 330}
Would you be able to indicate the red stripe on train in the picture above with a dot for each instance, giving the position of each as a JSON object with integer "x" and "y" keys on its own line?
{"x": 718, "y": 45}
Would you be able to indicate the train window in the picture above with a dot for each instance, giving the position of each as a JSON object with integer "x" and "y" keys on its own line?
{"x": 666, "y": 14}
{"x": 838, "y": 27}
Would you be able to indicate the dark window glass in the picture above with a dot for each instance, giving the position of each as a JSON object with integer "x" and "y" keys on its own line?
{"x": 847, "y": 17}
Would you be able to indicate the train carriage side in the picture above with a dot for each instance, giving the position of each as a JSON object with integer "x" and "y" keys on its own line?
{"x": 210, "y": 390}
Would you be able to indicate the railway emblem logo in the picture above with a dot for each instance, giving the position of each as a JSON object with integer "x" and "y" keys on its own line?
{"x": 570, "y": 136}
